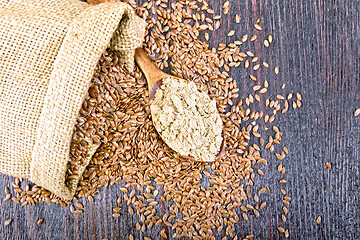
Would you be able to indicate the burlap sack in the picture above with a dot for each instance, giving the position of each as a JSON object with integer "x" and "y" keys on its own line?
{"x": 48, "y": 52}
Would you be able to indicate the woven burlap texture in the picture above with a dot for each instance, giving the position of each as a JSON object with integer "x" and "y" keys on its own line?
{"x": 48, "y": 53}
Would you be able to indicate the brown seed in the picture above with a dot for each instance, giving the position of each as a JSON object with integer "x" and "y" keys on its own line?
{"x": 8, "y": 221}
{"x": 286, "y": 233}
{"x": 40, "y": 221}
{"x": 276, "y": 70}
{"x": 244, "y": 38}
{"x": 162, "y": 233}
{"x": 285, "y": 210}
{"x": 79, "y": 205}
{"x": 357, "y": 112}
{"x": 328, "y": 165}
{"x": 256, "y": 67}
{"x": 231, "y": 33}
{"x": 257, "y": 27}
{"x": 262, "y": 190}
{"x": 318, "y": 220}
{"x": 263, "y": 90}
{"x": 237, "y": 18}
{"x": 7, "y": 197}
{"x": 78, "y": 211}
{"x": 266, "y": 43}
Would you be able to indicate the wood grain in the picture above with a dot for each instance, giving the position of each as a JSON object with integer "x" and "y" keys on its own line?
{"x": 317, "y": 48}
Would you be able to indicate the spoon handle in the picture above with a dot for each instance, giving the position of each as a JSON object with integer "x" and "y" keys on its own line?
{"x": 148, "y": 67}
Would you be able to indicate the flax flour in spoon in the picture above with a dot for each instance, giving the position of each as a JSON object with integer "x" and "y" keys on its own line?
{"x": 187, "y": 119}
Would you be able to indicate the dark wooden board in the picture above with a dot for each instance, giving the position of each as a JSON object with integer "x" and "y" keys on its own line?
{"x": 317, "y": 48}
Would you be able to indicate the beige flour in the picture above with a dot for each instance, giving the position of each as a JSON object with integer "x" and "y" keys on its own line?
{"x": 187, "y": 119}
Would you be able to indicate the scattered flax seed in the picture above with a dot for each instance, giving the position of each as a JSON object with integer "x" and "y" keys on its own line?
{"x": 286, "y": 211}
{"x": 255, "y": 59}
{"x": 162, "y": 233}
{"x": 263, "y": 90}
{"x": 283, "y": 181}
{"x": 7, "y": 197}
{"x": 266, "y": 43}
{"x": 287, "y": 198}
{"x": 246, "y": 65}
{"x": 253, "y": 38}
{"x": 256, "y": 67}
{"x": 78, "y": 211}
{"x": 262, "y": 190}
{"x": 244, "y": 38}
{"x": 266, "y": 64}
{"x": 231, "y": 33}
{"x": 294, "y": 105}
{"x": 237, "y": 18}
{"x": 280, "y": 96}
{"x": 298, "y": 96}
{"x": 287, "y": 203}
{"x": 276, "y": 70}
{"x": 283, "y": 191}
{"x": 270, "y": 38}
{"x": 252, "y": 77}
{"x": 206, "y": 35}
{"x": 283, "y": 218}
{"x": 79, "y": 205}
{"x": 287, "y": 233}
{"x": 131, "y": 237}
{"x": 116, "y": 209}
{"x": 357, "y": 112}
{"x": 8, "y": 221}
{"x": 245, "y": 217}
{"x": 285, "y": 150}
{"x": 283, "y": 86}
{"x": 257, "y": 27}
{"x": 318, "y": 220}
{"x": 266, "y": 84}
{"x": 282, "y": 230}
{"x": 328, "y": 165}
{"x": 257, "y": 87}
{"x": 40, "y": 221}
{"x": 250, "y": 54}
{"x": 217, "y": 25}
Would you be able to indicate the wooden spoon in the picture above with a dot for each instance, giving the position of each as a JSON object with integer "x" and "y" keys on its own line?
{"x": 154, "y": 77}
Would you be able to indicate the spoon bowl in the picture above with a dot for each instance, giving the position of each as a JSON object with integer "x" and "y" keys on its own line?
{"x": 154, "y": 77}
